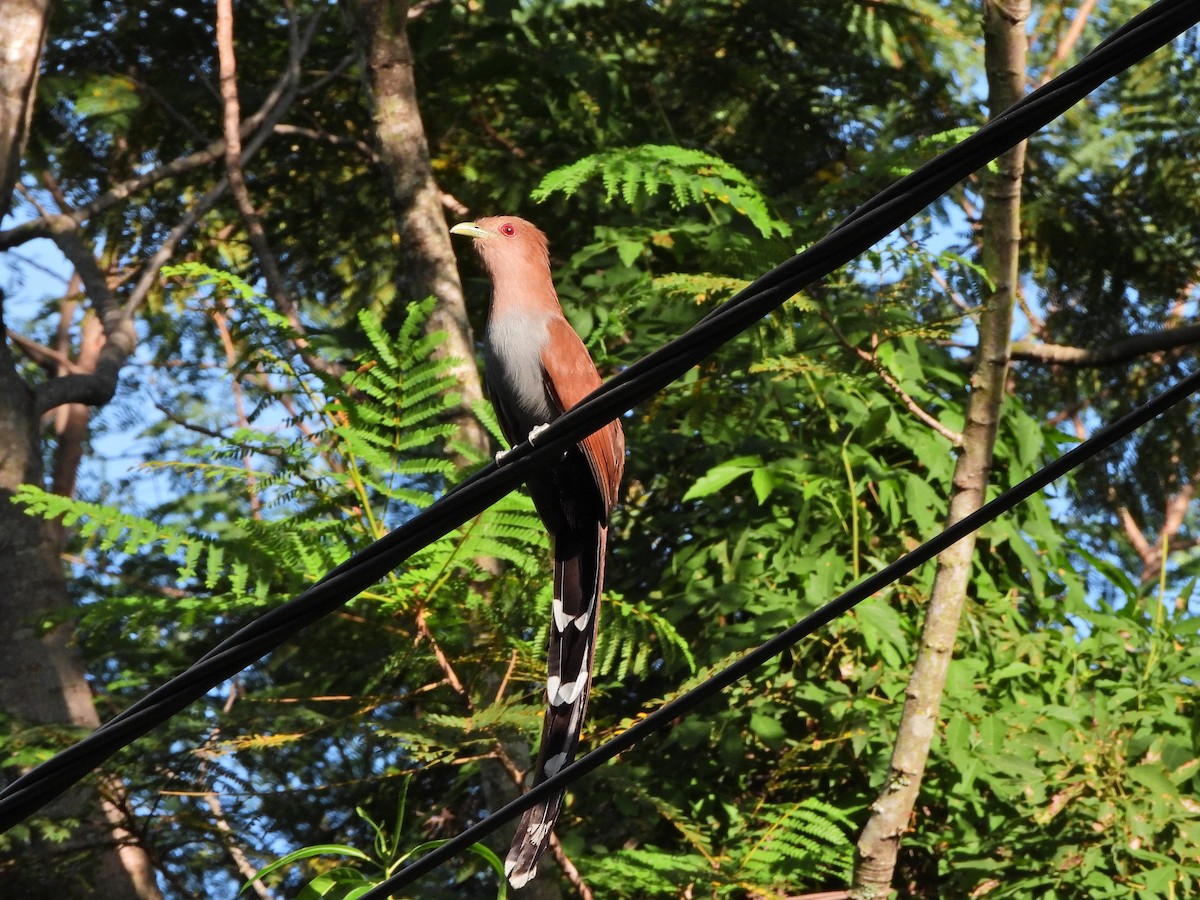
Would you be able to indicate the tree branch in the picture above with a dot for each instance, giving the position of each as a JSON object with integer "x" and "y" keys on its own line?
{"x": 1005, "y": 49}
{"x": 365, "y": 150}
{"x": 99, "y": 387}
{"x": 872, "y": 359}
{"x": 1068, "y": 42}
{"x": 235, "y": 159}
{"x": 46, "y": 357}
{"x": 1116, "y": 354}
{"x": 272, "y": 109}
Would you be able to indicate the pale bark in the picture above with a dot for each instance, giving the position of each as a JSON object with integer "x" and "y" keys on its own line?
{"x": 428, "y": 267}
{"x": 23, "y": 24}
{"x": 42, "y": 678}
{"x": 1005, "y": 51}
{"x": 1153, "y": 551}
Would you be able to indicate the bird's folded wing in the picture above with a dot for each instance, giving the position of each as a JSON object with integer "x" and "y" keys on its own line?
{"x": 570, "y": 376}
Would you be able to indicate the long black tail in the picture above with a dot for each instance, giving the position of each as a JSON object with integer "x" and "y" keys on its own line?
{"x": 578, "y": 578}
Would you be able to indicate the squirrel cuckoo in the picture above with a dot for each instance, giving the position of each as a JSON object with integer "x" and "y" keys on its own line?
{"x": 536, "y": 367}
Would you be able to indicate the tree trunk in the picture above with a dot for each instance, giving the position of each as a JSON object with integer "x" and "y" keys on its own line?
{"x": 23, "y": 24}
{"x": 42, "y": 677}
{"x": 428, "y": 267}
{"x": 878, "y": 846}
{"x": 427, "y": 263}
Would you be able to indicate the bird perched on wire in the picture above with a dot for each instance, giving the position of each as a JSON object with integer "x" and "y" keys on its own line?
{"x": 536, "y": 368}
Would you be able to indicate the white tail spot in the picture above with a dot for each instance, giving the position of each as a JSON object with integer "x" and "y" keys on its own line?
{"x": 562, "y": 620}
{"x": 519, "y": 881}
{"x": 560, "y": 693}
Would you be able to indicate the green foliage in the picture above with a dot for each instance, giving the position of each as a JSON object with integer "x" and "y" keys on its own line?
{"x": 764, "y": 852}
{"x": 1093, "y": 765}
{"x": 380, "y": 457}
{"x": 764, "y": 482}
{"x": 204, "y": 276}
{"x": 634, "y": 637}
{"x": 203, "y": 565}
{"x": 637, "y": 174}
{"x": 345, "y": 883}
{"x": 373, "y": 455}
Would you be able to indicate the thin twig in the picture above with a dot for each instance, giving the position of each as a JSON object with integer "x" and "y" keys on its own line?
{"x": 44, "y": 356}
{"x": 512, "y": 664}
{"x": 235, "y": 159}
{"x": 872, "y": 359}
{"x": 1068, "y": 42}
{"x": 324, "y": 137}
{"x": 443, "y": 661}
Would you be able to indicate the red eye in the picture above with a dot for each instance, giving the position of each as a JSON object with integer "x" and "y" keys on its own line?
{"x": 508, "y": 229}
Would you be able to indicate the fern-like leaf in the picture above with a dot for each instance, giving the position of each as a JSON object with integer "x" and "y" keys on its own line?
{"x": 692, "y": 176}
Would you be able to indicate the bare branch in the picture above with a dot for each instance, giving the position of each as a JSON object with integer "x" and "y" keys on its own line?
{"x": 235, "y": 158}
{"x": 872, "y": 359}
{"x": 274, "y": 105}
{"x": 229, "y": 839}
{"x": 99, "y": 387}
{"x": 454, "y": 205}
{"x": 172, "y": 416}
{"x": 46, "y": 357}
{"x": 568, "y": 867}
{"x": 313, "y": 134}
{"x": 1122, "y": 351}
{"x": 340, "y": 69}
{"x": 1137, "y": 540}
{"x": 31, "y": 198}
{"x": 1068, "y": 42}
{"x": 421, "y": 7}
{"x": 64, "y": 231}
{"x": 166, "y": 250}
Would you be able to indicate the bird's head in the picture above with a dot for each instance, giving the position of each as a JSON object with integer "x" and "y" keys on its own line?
{"x": 506, "y": 242}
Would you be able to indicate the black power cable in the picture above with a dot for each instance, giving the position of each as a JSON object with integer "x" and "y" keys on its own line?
{"x": 1153, "y": 28}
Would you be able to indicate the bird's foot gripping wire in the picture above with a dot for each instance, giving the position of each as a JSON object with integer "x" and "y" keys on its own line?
{"x": 534, "y": 433}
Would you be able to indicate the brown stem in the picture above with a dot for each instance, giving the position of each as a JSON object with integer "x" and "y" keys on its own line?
{"x": 878, "y": 845}
{"x": 235, "y": 159}
{"x": 872, "y": 359}
{"x": 272, "y": 109}
{"x": 1068, "y": 42}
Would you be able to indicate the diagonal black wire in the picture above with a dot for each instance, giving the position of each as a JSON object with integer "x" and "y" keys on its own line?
{"x": 714, "y": 684}
{"x": 1151, "y": 29}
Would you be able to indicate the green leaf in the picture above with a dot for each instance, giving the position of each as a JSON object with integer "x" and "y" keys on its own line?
{"x": 307, "y": 853}
{"x": 768, "y": 729}
{"x": 719, "y": 476}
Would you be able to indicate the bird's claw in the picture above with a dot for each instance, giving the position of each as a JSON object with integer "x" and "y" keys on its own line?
{"x": 534, "y": 433}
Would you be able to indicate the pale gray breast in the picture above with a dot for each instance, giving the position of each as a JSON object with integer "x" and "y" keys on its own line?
{"x": 512, "y": 356}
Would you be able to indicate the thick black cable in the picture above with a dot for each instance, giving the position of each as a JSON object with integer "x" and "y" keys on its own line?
{"x": 710, "y": 687}
{"x": 1148, "y": 31}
